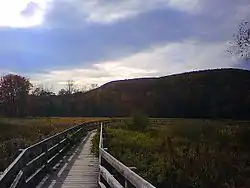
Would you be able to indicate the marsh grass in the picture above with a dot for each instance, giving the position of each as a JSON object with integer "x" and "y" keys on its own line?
{"x": 16, "y": 133}
{"x": 186, "y": 152}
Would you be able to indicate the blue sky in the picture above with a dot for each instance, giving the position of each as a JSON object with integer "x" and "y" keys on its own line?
{"x": 96, "y": 41}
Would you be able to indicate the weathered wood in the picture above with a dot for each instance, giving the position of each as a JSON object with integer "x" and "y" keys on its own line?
{"x": 35, "y": 164}
{"x": 12, "y": 171}
{"x": 55, "y": 149}
{"x": 55, "y": 159}
{"x": 49, "y": 158}
{"x": 34, "y": 161}
{"x": 36, "y": 177}
{"x": 102, "y": 185}
{"x": 100, "y": 157}
{"x": 80, "y": 169}
{"x": 113, "y": 183}
{"x": 125, "y": 171}
{"x": 84, "y": 172}
{"x": 19, "y": 180}
{"x": 131, "y": 176}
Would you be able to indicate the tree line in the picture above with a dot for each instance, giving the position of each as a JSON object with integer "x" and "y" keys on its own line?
{"x": 19, "y": 98}
{"x": 221, "y": 93}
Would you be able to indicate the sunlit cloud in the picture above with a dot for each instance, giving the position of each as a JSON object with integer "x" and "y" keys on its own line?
{"x": 97, "y": 41}
{"x": 156, "y": 61}
{"x": 22, "y": 13}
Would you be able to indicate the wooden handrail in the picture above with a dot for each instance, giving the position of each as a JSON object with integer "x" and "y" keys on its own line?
{"x": 34, "y": 162}
{"x": 113, "y": 183}
{"x": 123, "y": 170}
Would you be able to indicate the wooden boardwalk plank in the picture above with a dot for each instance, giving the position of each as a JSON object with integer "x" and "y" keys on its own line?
{"x": 79, "y": 169}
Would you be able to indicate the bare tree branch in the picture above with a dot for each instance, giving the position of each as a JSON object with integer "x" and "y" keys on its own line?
{"x": 240, "y": 46}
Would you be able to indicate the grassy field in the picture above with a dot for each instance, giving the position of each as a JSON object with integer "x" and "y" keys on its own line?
{"x": 19, "y": 133}
{"x": 186, "y": 152}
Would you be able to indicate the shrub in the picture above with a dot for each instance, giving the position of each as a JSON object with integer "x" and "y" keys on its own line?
{"x": 185, "y": 153}
{"x": 138, "y": 122}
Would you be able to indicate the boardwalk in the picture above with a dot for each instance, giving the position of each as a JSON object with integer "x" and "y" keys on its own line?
{"x": 77, "y": 170}
{"x": 57, "y": 162}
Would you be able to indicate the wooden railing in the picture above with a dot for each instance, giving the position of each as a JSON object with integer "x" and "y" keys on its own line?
{"x": 35, "y": 162}
{"x": 129, "y": 177}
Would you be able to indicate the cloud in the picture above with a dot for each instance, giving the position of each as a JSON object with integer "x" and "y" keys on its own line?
{"x": 96, "y": 74}
{"x": 21, "y": 14}
{"x": 110, "y": 11}
{"x": 102, "y": 40}
{"x": 156, "y": 61}
{"x": 30, "y": 9}
{"x": 180, "y": 57}
{"x": 81, "y": 13}
{"x": 39, "y": 49}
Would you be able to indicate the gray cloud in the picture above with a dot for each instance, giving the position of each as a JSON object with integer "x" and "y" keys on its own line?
{"x": 156, "y": 61}
{"x": 110, "y": 11}
{"x": 30, "y": 9}
{"x": 78, "y": 38}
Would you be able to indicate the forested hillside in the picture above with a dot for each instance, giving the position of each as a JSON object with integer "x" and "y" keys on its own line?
{"x": 221, "y": 93}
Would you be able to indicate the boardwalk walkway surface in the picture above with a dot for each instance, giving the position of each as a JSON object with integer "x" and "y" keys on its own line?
{"x": 79, "y": 169}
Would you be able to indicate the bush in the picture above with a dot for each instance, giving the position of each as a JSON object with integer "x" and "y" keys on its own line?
{"x": 138, "y": 122}
{"x": 185, "y": 153}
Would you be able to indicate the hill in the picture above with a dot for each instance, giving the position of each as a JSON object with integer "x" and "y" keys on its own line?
{"x": 220, "y": 93}
{"x": 223, "y": 93}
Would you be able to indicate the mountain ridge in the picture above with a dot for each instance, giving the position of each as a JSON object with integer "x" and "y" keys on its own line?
{"x": 216, "y": 93}
{"x": 177, "y": 91}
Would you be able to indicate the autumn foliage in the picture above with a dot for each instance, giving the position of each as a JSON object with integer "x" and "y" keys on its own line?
{"x": 185, "y": 152}
{"x": 14, "y": 91}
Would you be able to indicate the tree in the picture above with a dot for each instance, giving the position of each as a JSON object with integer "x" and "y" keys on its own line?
{"x": 62, "y": 92}
{"x": 241, "y": 43}
{"x": 42, "y": 91}
{"x": 93, "y": 86}
{"x": 138, "y": 122}
{"x": 70, "y": 87}
{"x": 14, "y": 91}
{"x": 83, "y": 89}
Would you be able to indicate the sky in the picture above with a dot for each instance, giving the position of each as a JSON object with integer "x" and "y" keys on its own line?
{"x": 97, "y": 41}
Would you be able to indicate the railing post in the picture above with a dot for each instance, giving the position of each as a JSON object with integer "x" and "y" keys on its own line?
{"x": 100, "y": 155}
{"x": 33, "y": 162}
{"x": 126, "y": 183}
